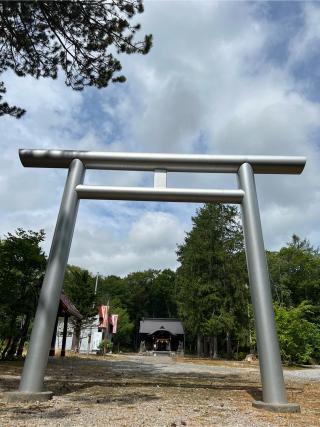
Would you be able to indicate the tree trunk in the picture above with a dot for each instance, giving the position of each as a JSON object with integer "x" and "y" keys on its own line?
{"x": 215, "y": 347}
{"x": 237, "y": 349}
{"x": 205, "y": 351}
{"x": 211, "y": 348}
{"x": 6, "y": 348}
{"x": 52, "y": 351}
{"x": 24, "y": 335}
{"x": 64, "y": 336}
{"x": 168, "y": 308}
{"x": 76, "y": 337}
{"x": 229, "y": 349}
{"x": 199, "y": 345}
{"x": 10, "y": 341}
{"x": 13, "y": 347}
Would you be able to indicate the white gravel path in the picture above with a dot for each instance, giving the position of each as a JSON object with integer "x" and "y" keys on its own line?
{"x": 164, "y": 364}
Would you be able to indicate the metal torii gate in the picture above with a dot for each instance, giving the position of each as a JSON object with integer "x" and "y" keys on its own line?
{"x": 274, "y": 393}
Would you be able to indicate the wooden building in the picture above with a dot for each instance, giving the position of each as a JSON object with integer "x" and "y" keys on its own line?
{"x": 161, "y": 335}
{"x": 66, "y": 310}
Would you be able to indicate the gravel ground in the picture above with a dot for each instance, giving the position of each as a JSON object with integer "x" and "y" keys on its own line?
{"x": 132, "y": 390}
{"x": 167, "y": 365}
{"x": 305, "y": 374}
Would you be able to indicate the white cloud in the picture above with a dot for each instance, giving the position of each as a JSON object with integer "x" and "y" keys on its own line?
{"x": 156, "y": 230}
{"x": 305, "y": 44}
{"x": 150, "y": 242}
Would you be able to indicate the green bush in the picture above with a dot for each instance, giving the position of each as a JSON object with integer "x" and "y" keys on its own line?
{"x": 105, "y": 346}
{"x": 299, "y": 338}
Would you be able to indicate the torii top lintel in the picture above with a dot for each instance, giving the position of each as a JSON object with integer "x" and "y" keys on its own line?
{"x": 169, "y": 162}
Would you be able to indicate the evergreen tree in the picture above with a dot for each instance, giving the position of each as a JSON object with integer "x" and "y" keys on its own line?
{"x": 212, "y": 296}
{"x": 163, "y": 295}
{"x": 295, "y": 273}
{"x": 149, "y": 293}
{"x": 79, "y": 37}
{"x": 79, "y": 288}
{"x": 22, "y": 266}
{"x": 125, "y": 327}
{"x": 112, "y": 288}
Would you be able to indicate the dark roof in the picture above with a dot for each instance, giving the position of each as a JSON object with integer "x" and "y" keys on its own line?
{"x": 66, "y": 307}
{"x": 149, "y": 326}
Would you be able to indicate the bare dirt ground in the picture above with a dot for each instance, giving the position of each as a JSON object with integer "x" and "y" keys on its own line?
{"x": 133, "y": 390}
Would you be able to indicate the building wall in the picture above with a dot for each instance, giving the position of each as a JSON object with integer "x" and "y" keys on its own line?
{"x": 92, "y": 329}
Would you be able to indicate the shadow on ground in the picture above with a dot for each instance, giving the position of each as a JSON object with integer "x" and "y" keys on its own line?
{"x": 127, "y": 384}
{"x": 77, "y": 376}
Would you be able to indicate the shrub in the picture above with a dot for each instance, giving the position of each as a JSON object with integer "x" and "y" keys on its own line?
{"x": 105, "y": 346}
{"x": 299, "y": 338}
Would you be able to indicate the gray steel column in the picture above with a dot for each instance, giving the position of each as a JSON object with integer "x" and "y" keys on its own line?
{"x": 273, "y": 387}
{"x": 37, "y": 357}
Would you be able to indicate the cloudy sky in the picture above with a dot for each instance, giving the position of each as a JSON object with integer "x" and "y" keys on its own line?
{"x": 222, "y": 78}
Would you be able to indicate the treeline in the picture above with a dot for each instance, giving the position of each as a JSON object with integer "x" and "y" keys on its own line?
{"x": 149, "y": 293}
{"x": 22, "y": 266}
{"x": 213, "y": 290}
{"x": 209, "y": 292}
{"x": 22, "y": 269}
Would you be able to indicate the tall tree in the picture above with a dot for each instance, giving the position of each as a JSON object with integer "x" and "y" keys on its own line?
{"x": 163, "y": 294}
{"x": 125, "y": 327}
{"x": 138, "y": 305}
{"x": 149, "y": 293}
{"x": 22, "y": 265}
{"x": 295, "y": 273}
{"x": 79, "y": 287}
{"x": 79, "y": 37}
{"x": 212, "y": 296}
{"x": 112, "y": 288}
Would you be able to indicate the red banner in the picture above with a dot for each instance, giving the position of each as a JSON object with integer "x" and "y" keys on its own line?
{"x": 114, "y": 320}
{"x": 103, "y": 316}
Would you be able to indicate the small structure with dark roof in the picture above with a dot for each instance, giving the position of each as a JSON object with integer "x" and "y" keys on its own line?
{"x": 66, "y": 309}
{"x": 161, "y": 334}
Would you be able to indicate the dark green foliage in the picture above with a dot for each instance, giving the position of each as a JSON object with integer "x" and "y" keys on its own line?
{"x": 39, "y": 37}
{"x": 295, "y": 273}
{"x": 139, "y": 304}
{"x": 22, "y": 265}
{"x": 299, "y": 339}
{"x": 123, "y": 338}
{"x": 146, "y": 293}
{"x": 211, "y": 282}
{"x": 149, "y": 293}
{"x": 209, "y": 291}
{"x": 105, "y": 346}
{"x": 163, "y": 295}
{"x": 79, "y": 287}
{"x": 213, "y": 298}
{"x": 112, "y": 287}
{"x": 5, "y": 107}
{"x": 295, "y": 279}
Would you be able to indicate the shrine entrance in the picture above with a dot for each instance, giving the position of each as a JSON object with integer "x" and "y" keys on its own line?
{"x": 161, "y": 334}
{"x": 245, "y": 167}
